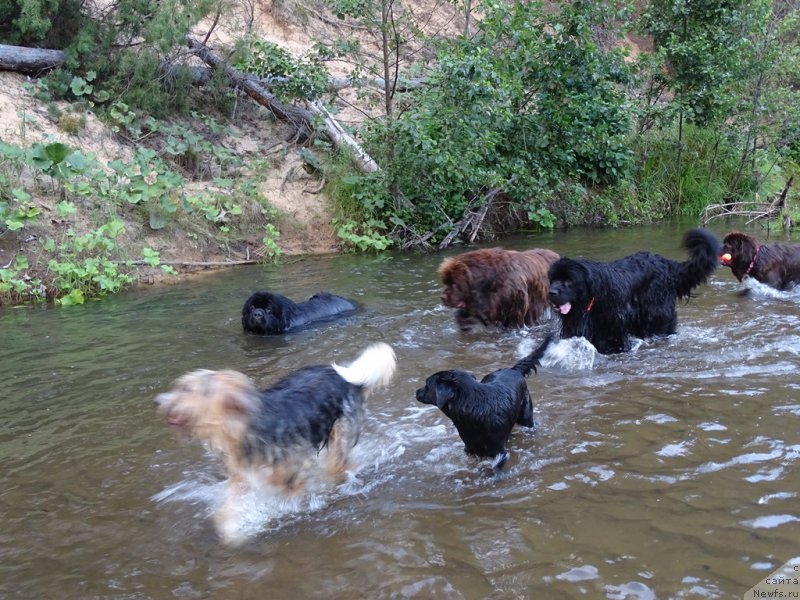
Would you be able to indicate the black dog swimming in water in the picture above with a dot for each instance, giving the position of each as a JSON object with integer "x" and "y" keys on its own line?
{"x": 270, "y": 313}
{"x": 485, "y": 412}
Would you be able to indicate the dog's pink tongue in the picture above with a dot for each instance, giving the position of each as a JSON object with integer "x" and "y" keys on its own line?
{"x": 565, "y": 308}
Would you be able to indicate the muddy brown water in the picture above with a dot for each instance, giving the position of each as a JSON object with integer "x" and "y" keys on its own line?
{"x": 668, "y": 472}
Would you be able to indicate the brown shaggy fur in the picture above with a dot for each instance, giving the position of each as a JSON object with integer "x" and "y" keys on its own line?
{"x": 776, "y": 265}
{"x": 494, "y": 286}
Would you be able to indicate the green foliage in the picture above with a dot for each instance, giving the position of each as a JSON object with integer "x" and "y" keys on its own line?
{"x": 289, "y": 78}
{"x": 528, "y": 102}
{"x": 359, "y": 201}
{"x": 146, "y": 178}
{"x": 15, "y": 284}
{"x": 271, "y": 250}
{"x": 85, "y": 265}
{"x": 352, "y": 8}
{"x": 55, "y": 159}
{"x": 702, "y": 43}
{"x": 162, "y": 25}
{"x": 122, "y": 119}
{"x": 702, "y": 176}
{"x": 217, "y": 208}
{"x": 94, "y": 263}
{"x": 51, "y": 23}
{"x": 192, "y": 148}
{"x": 364, "y": 236}
{"x": 16, "y": 208}
{"x": 123, "y": 46}
{"x": 136, "y": 78}
{"x": 153, "y": 258}
{"x": 732, "y": 69}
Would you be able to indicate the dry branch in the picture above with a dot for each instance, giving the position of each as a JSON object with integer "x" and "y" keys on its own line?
{"x": 193, "y": 263}
{"x": 750, "y": 210}
{"x": 472, "y": 220}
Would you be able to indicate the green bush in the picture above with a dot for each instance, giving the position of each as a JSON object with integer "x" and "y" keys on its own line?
{"x": 289, "y": 78}
{"x": 530, "y": 103}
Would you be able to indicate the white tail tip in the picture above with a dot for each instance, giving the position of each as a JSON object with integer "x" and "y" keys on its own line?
{"x": 374, "y": 368}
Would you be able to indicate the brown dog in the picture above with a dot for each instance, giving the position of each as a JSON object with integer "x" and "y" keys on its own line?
{"x": 775, "y": 265}
{"x": 494, "y": 286}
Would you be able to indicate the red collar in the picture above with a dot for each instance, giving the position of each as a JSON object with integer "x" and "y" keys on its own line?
{"x": 591, "y": 303}
{"x": 752, "y": 262}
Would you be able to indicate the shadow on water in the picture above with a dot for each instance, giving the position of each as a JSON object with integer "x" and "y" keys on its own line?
{"x": 670, "y": 471}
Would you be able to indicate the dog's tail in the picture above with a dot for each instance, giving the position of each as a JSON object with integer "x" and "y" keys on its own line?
{"x": 704, "y": 251}
{"x": 530, "y": 362}
{"x": 374, "y": 368}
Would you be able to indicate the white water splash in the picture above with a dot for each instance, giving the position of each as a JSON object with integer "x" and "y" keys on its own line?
{"x": 571, "y": 354}
{"x": 761, "y": 290}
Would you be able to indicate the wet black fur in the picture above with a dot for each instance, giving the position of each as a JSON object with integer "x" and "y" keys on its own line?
{"x": 270, "y": 313}
{"x": 300, "y": 410}
{"x": 633, "y": 296}
{"x": 485, "y": 412}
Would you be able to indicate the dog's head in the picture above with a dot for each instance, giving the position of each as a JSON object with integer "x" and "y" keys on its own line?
{"x": 442, "y": 388}
{"x": 569, "y": 284}
{"x": 483, "y": 413}
{"x": 738, "y": 249}
{"x": 456, "y": 277}
{"x": 263, "y": 313}
{"x": 214, "y": 406}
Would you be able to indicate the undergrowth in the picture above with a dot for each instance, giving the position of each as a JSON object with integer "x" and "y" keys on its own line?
{"x": 86, "y": 258}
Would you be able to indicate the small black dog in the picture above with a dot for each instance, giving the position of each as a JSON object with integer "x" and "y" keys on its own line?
{"x": 485, "y": 413}
{"x": 270, "y": 313}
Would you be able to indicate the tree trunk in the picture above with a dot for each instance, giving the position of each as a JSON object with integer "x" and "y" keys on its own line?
{"x": 29, "y": 60}
{"x": 299, "y": 117}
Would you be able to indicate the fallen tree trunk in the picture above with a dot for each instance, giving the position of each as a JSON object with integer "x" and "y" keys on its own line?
{"x": 36, "y": 60}
{"x": 29, "y": 60}
{"x": 300, "y": 118}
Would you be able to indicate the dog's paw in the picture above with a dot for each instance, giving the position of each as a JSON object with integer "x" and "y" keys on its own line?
{"x": 500, "y": 461}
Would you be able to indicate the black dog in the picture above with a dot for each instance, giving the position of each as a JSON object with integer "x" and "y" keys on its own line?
{"x": 485, "y": 413}
{"x": 269, "y": 313}
{"x": 634, "y": 296}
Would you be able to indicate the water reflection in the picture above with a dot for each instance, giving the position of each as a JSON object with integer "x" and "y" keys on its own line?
{"x": 670, "y": 471}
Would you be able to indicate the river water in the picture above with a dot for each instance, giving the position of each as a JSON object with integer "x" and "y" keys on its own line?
{"x": 667, "y": 472}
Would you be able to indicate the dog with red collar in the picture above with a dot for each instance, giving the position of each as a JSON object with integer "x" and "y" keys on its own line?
{"x": 775, "y": 265}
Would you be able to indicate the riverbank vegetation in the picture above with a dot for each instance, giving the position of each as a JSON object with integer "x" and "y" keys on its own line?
{"x": 509, "y": 116}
